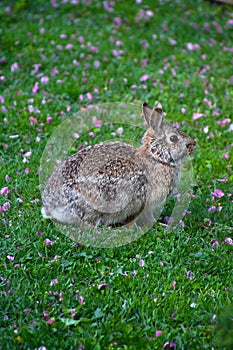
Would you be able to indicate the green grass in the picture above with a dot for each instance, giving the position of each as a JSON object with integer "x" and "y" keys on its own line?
{"x": 103, "y": 298}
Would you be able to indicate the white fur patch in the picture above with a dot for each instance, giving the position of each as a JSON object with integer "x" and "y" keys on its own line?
{"x": 44, "y": 214}
{"x": 60, "y": 214}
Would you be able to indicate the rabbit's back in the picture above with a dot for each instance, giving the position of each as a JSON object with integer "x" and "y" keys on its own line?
{"x": 101, "y": 184}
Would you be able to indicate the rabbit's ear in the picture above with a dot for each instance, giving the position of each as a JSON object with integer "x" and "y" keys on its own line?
{"x": 153, "y": 117}
{"x": 147, "y": 109}
{"x": 156, "y": 120}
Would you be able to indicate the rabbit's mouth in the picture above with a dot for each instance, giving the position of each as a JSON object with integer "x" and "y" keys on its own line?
{"x": 191, "y": 147}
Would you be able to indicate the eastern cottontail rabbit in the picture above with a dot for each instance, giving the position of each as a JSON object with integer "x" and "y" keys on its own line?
{"x": 113, "y": 183}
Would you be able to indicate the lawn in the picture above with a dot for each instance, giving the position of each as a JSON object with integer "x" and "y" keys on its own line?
{"x": 168, "y": 288}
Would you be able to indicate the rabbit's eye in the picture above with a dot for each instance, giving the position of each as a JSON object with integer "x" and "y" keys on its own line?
{"x": 174, "y": 138}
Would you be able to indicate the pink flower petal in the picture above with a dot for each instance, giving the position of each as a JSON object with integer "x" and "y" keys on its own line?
{"x": 228, "y": 240}
{"x": 51, "y": 321}
{"x": 217, "y": 193}
{"x": 48, "y": 242}
{"x": 145, "y": 77}
{"x": 49, "y": 119}
{"x": 5, "y": 206}
{"x": 141, "y": 263}
{"x": 117, "y": 21}
{"x": 15, "y": 67}
{"x": 214, "y": 244}
{"x": 69, "y": 47}
{"x": 158, "y": 333}
{"x": 144, "y": 62}
{"x": 197, "y": 116}
{"x": 53, "y": 282}
{"x": 102, "y": 285}
{"x": 165, "y": 345}
{"x": 10, "y": 257}
{"x": 207, "y": 102}
{"x": 44, "y": 80}
{"x": 4, "y": 190}
{"x": 81, "y": 299}
{"x": 35, "y": 88}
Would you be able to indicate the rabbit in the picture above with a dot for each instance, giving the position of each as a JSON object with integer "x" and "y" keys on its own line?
{"x": 115, "y": 184}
